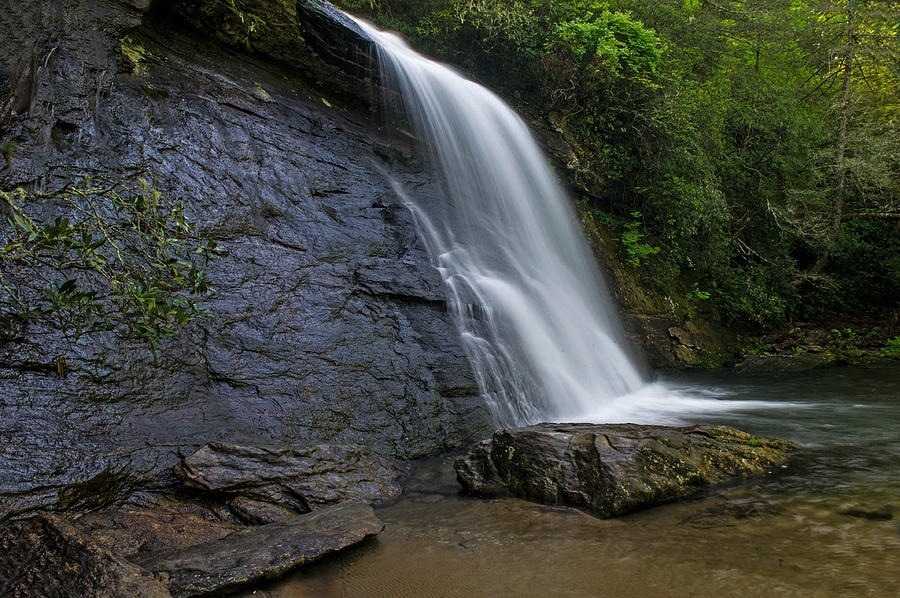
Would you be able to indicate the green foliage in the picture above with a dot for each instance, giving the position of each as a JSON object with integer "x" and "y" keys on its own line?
{"x": 892, "y": 348}
{"x": 123, "y": 258}
{"x": 866, "y": 256}
{"x": 845, "y": 345}
{"x": 719, "y": 122}
{"x": 632, "y": 240}
{"x": 251, "y": 21}
{"x": 698, "y": 295}
{"x": 756, "y": 346}
{"x": 240, "y": 22}
{"x": 8, "y": 149}
{"x": 758, "y": 294}
{"x": 611, "y": 43}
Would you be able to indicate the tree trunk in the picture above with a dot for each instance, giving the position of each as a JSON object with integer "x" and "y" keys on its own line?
{"x": 840, "y": 163}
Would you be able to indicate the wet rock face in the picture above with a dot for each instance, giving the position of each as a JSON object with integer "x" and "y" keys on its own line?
{"x": 161, "y": 523}
{"x": 314, "y": 39}
{"x": 328, "y": 322}
{"x": 46, "y": 557}
{"x": 299, "y": 479}
{"x": 611, "y": 469}
{"x": 262, "y": 552}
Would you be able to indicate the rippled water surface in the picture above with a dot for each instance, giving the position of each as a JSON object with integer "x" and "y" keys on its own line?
{"x": 779, "y": 535}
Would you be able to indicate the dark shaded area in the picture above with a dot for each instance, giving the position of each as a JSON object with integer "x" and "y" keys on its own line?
{"x": 327, "y": 320}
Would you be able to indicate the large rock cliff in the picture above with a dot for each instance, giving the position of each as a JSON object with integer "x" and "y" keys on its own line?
{"x": 328, "y": 322}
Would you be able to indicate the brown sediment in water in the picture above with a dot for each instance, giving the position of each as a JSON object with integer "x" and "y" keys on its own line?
{"x": 741, "y": 542}
{"x": 826, "y": 526}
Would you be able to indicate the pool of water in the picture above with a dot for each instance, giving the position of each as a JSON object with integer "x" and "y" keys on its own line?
{"x": 785, "y": 534}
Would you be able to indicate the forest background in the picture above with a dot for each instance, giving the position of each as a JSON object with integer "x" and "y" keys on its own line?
{"x": 745, "y": 154}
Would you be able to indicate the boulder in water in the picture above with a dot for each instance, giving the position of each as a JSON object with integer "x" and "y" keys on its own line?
{"x": 611, "y": 469}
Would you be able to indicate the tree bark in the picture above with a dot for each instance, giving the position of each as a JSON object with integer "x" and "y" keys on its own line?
{"x": 841, "y": 149}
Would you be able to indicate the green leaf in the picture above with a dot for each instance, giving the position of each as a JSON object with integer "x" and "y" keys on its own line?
{"x": 23, "y": 222}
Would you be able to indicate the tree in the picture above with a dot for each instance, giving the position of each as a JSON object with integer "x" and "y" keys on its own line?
{"x": 854, "y": 58}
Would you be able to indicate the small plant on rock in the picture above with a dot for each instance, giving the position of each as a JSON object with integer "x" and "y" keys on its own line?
{"x": 891, "y": 348}
{"x": 754, "y": 345}
{"x": 119, "y": 256}
{"x": 8, "y": 149}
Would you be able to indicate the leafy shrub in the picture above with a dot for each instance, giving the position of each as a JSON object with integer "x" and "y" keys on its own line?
{"x": 632, "y": 240}
{"x": 892, "y": 348}
{"x": 122, "y": 258}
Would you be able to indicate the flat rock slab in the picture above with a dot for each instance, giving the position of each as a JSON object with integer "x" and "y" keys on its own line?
{"x": 47, "y": 557}
{"x": 611, "y": 469}
{"x": 157, "y": 524}
{"x": 297, "y": 478}
{"x": 262, "y": 552}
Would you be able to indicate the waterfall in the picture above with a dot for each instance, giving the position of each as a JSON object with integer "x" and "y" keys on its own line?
{"x": 535, "y": 318}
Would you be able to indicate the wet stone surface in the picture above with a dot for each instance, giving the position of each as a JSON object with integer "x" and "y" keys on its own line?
{"x": 262, "y": 552}
{"x": 612, "y": 469}
{"x": 300, "y": 479}
{"x": 327, "y": 320}
{"x": 159, "y": 524}
{"x": 46, "y": 557}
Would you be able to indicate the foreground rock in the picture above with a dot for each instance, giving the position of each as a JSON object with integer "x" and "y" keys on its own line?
{"x": 611, "y": 469}
{"x": 262, "y": 552}
{"x": 159, "y": 524}
{"x": 299, "y": 479}
{"x": 46, "y": 557}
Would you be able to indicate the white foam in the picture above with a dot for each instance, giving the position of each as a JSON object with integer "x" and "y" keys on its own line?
{"x": 543, "y": 336}
{"x": 659, "y": 404}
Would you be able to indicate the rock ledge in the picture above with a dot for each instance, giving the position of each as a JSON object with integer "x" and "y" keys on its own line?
{"x": 298, "y": 478}
{"x": 262, "y": 552}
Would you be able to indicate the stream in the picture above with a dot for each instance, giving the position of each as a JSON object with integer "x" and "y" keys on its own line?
{"x": 817, "y": 527}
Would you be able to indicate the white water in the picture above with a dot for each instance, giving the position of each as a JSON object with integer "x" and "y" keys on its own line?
{"x": 535, "y": 318}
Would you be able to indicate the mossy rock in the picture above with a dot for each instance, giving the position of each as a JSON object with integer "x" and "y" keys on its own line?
{"x": 611, "y": 469}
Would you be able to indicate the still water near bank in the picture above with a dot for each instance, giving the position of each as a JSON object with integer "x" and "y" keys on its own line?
{"x": 777, "y": 535}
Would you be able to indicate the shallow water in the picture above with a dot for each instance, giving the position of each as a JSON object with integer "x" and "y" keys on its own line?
{"x": 776, "y": 535}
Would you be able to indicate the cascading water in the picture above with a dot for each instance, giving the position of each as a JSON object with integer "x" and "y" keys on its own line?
{"x": 535, "y": 317}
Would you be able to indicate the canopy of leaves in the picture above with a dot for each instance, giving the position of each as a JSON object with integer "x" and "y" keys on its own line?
{"x": 718, "y": 121}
